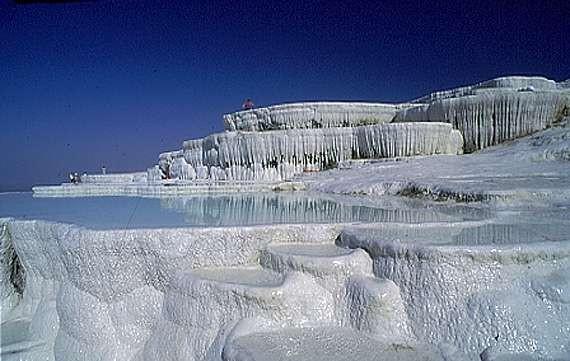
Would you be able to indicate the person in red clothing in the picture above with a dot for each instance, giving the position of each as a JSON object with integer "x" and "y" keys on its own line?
{"x": 248, "y": 104}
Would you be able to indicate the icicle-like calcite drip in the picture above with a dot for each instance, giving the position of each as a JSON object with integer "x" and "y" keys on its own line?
{"x": 493, "y": 116}
{"x": 279, "y": 155}
{"x": 310, "y": 115}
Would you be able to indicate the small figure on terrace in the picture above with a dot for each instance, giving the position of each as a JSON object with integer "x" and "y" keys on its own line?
{"x": 74, "y": 178}
{"x": 248, "y": 104}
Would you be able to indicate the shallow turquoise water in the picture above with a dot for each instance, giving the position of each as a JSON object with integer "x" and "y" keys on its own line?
{"x": 218, "y": 210}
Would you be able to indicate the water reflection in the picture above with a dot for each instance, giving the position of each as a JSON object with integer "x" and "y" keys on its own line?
{"x": 270, "y": 208}
{"x": 239, "y": 209}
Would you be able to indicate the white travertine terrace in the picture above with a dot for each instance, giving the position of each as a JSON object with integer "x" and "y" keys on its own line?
{"x": 494, "y": 111}
{"x": 280, "y": 155}
{"x": 153, "y": 189}
{"x": 508, "y": 82}
{"x": 325, "y": 344}
{"x": 311, "y": 115}
{"x": 137, "y": 177}
{"x": 531, "y": 168}
{"x": 479, "y": 285}
{"x": 487, "y": 280}
{"x": 189, "y": 294}
{"x": 495, "y": 116}
{"x": 438, "y": 289}
{"x": 279, "y": 142}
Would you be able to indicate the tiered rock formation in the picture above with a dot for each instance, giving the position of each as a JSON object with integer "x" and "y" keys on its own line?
{"x": 492, "y": 112}
{"x": 281, "y": 141}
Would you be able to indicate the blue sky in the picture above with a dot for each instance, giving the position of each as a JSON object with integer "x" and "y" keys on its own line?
{"x": 114, "y": 83}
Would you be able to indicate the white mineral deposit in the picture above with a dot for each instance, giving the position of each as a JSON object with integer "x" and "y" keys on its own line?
{"x": 436, "y": 229}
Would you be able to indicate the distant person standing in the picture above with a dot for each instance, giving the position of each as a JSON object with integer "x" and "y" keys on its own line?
{"x": 248, "y": 104}
{"x": 74, "y": 178}
{"x": 103, "y": 170}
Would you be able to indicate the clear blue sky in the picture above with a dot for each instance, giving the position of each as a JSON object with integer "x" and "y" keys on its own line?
{"x": 84, "y": 84}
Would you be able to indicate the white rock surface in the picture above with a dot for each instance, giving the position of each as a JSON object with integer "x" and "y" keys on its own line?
{"x": 138, "y": 177}
{"x": 489, "y": 279}
{"x": 10, "y": 293}
{"x": 157, "y": 188}
{"x": 182, "y": 294}
{"x": 311, "y": 115}
{"x": 154, "y": 174}
{"x": 360, "y": 301}
{"x": 281, "y": 142}
{"x": 279, "y": 155}
{"x": 503, "y": 290}
{"x": 286, "y": 140}
{"x": 532, "y": 168}
{"x": 509, "y": 82}
{"x": 165, "y": 160}
{"x": 327, "y": 344}
{"x": 494, "y": 111}
{"x": 564, "y": 84}
{"x": 103, "y": 292}
{"x": 180, "y": 169}
{"x": 176, "y": 294}
{"x": 205, "y": 304}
